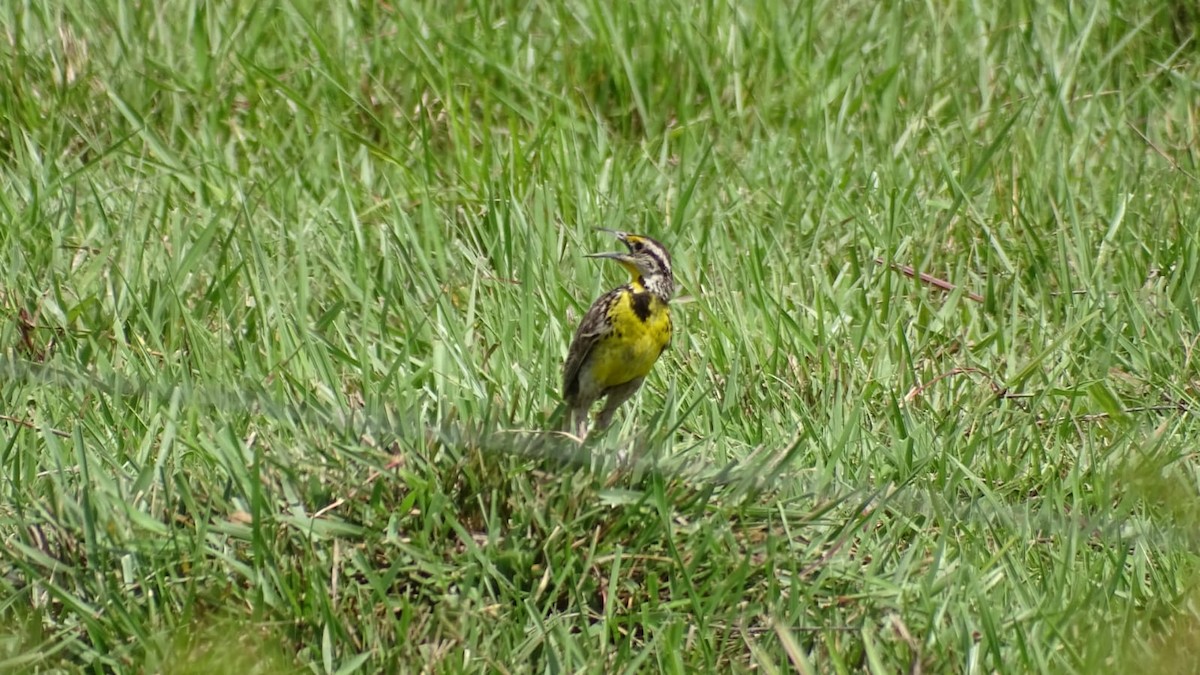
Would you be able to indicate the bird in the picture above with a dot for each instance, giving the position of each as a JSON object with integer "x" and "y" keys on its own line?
{"x": 621, "y": 336}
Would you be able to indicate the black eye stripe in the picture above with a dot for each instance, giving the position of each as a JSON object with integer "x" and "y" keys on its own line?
{"x": 645, "y": 246}
{"x": 657, "y": 254}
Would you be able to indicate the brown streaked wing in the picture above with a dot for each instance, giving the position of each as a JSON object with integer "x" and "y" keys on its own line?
{"x": 592, "y": 328}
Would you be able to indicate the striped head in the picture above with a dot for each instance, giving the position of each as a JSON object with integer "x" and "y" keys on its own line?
{"x": 648, "y": 263}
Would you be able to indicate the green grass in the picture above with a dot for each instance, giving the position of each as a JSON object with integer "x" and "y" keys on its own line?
{"x": 286, "y": 289}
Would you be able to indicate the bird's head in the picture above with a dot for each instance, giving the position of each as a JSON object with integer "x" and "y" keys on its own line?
{"x": 647, "y": 261}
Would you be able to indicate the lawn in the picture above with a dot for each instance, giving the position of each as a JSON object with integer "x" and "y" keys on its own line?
{"x": 287, "y": 287}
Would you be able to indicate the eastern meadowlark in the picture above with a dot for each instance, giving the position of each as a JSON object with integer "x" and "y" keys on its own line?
{"x": 622, "y": 335}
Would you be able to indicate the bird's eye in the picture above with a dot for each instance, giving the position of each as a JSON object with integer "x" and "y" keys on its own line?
{"x": 637, "y": 246}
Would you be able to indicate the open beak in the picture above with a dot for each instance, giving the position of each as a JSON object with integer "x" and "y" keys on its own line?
{"x": 623, "y": 236}
{"x": 616, "y": 233}
{"x": 615, "y": 255}
{"x": 626, "y": 260}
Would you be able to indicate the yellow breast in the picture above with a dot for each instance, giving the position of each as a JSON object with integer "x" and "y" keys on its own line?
{"x": 641, "y": 330}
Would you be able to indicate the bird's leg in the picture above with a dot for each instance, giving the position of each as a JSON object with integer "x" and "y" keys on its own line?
{"x": 577, "y": 419}
{"x": 616, "y": 396}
